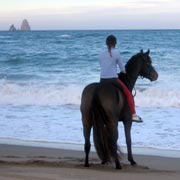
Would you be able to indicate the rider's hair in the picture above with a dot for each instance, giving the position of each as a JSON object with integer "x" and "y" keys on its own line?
{"x": 110, "y": 42}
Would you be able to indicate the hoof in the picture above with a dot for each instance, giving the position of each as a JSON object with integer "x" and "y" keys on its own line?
{"x": 86, "y": 165}
{"x": 103, "y": 162}
{"x": 118, "y": 167}
{"x": 133, "y": 163}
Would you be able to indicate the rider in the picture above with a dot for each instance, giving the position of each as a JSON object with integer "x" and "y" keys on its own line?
{"x": 109, "y": 59}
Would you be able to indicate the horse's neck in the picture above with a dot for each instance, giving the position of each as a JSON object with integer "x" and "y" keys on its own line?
{"x": 129, "y": 81}
{"x": 132, "y": 83}
{"x": 133, "y": 67}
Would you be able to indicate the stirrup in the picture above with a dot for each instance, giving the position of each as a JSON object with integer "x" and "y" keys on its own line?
{"x": 136, "y": 118}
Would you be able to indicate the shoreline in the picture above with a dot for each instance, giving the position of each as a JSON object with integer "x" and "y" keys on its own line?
{"x": 80, "y": 147}
{"x": 43, "y": 163}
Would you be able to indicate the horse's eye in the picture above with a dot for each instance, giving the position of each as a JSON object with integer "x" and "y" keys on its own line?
{"x": 148, "y": 62}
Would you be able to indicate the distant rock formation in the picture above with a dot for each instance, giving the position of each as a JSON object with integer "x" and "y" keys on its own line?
{"x": 12, "y": 28}
{"x": 25, "y": 26}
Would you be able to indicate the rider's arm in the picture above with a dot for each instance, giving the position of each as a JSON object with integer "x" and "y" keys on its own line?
{"x": 120, "y": 64}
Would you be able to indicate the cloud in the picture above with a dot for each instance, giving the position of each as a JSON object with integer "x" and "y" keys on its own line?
{"x": 61, "y": 7}
{"x": 94, "y": 13}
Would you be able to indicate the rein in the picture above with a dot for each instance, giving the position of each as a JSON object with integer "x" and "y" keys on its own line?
{"x": 134, "y": 92}
{"x": 129, "y": 77}
{"x": 127, "y": 82}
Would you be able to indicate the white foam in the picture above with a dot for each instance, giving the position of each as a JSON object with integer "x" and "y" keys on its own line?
{"x": 3, "y": 37}
{"x": 66, "y": 36}
{"x": 158, "y": 97}
{"x": 57, "y": 94}
{"x": 29, "y": 94}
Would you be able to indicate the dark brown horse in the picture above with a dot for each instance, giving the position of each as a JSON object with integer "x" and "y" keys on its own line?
{"x": 104, "y": 104}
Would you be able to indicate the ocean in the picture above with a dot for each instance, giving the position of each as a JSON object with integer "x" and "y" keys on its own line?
{"x": 43, "y": 73}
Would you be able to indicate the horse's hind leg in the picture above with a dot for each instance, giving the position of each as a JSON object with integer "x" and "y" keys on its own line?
{"x": 87, "y": 145}
{"x": 113, "y": 134}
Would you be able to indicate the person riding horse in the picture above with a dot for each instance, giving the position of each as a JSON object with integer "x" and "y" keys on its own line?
{"x": 109, "y": 59}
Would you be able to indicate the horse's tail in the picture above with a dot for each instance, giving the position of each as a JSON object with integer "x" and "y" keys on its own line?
{"x": 105, "y": 147}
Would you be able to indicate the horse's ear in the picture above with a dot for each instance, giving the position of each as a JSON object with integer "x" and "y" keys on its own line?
{"x": 141, "y": 51}
{"x": 148, "y": 51}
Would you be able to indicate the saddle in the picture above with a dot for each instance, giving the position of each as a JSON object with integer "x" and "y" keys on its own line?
{"x": 113, "y": 82}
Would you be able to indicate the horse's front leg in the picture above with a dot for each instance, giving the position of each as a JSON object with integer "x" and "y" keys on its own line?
{"x": 127, "y": 128}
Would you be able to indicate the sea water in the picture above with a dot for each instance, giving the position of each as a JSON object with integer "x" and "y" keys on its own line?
{"x": 43, "y": 73}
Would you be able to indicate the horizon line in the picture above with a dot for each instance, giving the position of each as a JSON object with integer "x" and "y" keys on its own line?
{"x": 95, "y": 29}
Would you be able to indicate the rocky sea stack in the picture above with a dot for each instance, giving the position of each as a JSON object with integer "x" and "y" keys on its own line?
{"x": 25, "y": 25}
{"x": 12, "y": 28}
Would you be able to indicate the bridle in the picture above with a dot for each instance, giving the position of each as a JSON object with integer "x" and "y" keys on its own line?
{"x": 149, "y": 71}
{"x": 129, "y": 77}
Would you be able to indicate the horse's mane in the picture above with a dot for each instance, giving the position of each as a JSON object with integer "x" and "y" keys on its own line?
{"x": 131, "y": 67}
{"x": 132, "y": 63}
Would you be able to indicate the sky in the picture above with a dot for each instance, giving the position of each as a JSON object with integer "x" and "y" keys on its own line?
{"x": 91, "y": 14}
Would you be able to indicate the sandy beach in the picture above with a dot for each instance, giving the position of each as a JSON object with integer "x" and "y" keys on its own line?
{"x": 19, "y": 162}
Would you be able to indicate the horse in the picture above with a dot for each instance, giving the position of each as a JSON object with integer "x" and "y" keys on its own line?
{"x": 103, "y": 105}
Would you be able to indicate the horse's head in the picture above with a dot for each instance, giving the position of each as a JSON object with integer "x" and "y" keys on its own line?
{"x": 139, "y": 65}
{"x": 147, "y": 70}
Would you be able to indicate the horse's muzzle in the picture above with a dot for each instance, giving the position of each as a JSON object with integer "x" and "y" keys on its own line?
{"x": 154, "y": 76}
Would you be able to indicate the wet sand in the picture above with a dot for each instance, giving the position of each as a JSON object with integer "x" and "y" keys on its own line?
{"x": 42, "y": 163}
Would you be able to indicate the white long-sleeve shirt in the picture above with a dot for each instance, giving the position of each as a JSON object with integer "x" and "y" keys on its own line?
{"x": 109, "y": 64}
